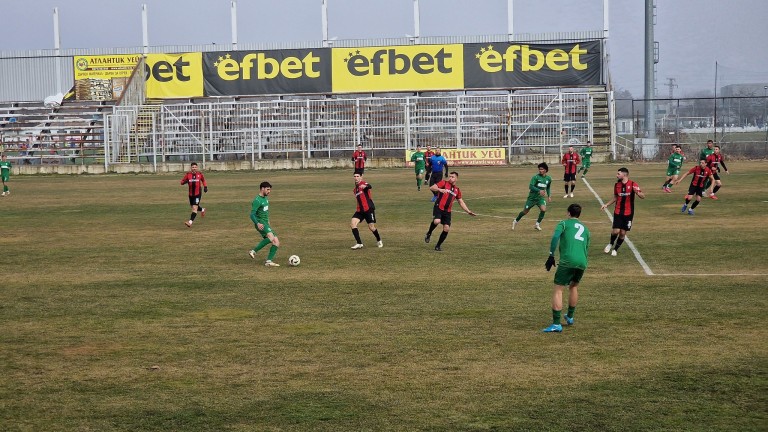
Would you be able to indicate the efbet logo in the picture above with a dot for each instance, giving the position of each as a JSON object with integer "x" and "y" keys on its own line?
{"x": 530, "y": 59}
{"x": 397, "y": 68}
{"x": 261, "y": 66}
{"x": 391, "y": 62}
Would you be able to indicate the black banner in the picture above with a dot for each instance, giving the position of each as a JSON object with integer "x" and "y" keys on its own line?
{"x": 267, "y": 72}
{"x": 509, "y": 64}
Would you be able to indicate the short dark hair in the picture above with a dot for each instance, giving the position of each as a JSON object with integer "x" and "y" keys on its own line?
{"x": 574, "y": 210}
{"x": 624, "y": 170}
{"x": 710, "y": 141}
{"x": 544, "y": 165}
{"x": 454, "y": 173}
{"x": 193, "y": 164}
{"x": 265, "y": 184}
{"x": 717, "y": 146}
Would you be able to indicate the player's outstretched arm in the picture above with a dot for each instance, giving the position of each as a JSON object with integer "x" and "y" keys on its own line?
{"x": 465, "y": 208}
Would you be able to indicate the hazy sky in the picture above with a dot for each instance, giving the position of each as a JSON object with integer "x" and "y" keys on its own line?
{"x": 693, "y": 34}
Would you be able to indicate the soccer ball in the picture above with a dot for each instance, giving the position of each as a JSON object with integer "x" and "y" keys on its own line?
{"x": 294, "y": 260}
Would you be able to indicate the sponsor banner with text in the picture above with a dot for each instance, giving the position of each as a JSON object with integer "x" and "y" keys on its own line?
{"x": 174, "y": 75}
{"x": 398, "y": 68}
{"x": 507, "y": 64}
{"x": 105, "y": 66}
{"x": 469, "y": 156}
{"x": 267, "y": 72}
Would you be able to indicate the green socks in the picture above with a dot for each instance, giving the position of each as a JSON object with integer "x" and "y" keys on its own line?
{"x": 541, "y": 217}
{"x": 261, "y": 245}
{"x": 272, "y": 253}
{"x": 571, "y": 309}
{"x": 556, "y": 316}
{"x": 519, "y": 216}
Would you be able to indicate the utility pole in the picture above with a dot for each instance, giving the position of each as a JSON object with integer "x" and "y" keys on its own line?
{"x": 671, "y": 84}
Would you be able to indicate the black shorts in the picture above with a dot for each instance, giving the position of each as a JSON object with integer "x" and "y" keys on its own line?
{"x": 195, "y": 200}
{"x": 716, "y": 175}
{"x": 695, "y": 190}
{"x": 369, "y": 216}
{"x": 436, "y": 177}
{"x": 569, "y": 177}
{"x": 426, "y": 174}
{"x": 444, "y": 216}
{"x": 359, "y": 171}
{"x": 622, "y": 222}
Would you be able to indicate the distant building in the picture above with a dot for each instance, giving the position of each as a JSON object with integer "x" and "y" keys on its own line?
{"x": 756, "y": 89}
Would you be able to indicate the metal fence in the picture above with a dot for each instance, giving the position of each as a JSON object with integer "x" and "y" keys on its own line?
{"x": 320, "y": 128}
{"x": 739, "y": 125}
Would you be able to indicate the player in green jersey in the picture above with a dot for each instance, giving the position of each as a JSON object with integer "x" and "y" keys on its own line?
{"x": 419, "y": 165}
{"x": 5, "y": 174}
{"x": 538, "y": 196}
{"x": 708, "y": 150}
{"x": 586, "y": 158}
{"x": 260, "y": 219}
{"x": 573, "y": 237}
{"x": 675, "y": 163}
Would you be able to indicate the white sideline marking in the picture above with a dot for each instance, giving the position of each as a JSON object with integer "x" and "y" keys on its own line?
{"x": 711, "y": 274}
{"x": 494, "y": 196}
{"x": 629, "y": 243}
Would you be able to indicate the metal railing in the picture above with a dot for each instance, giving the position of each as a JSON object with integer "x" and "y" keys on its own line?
{"x": 323, "y": 128}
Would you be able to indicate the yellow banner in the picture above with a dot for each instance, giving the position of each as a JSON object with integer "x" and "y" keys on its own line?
{"x": 174, "y": 75}
{"x": 469, "y": 156}
{"x": 398, "y": 68}
{"x": 105, "y": 66}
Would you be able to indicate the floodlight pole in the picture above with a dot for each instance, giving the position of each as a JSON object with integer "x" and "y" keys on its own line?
{"x": 324, "y": 16}
{"x": 57, "y": 48}
{"x": 510, "y": 20}
{"x": 144, "y": 31}
{"x": 233, "y": 14}
{"x": 416, "y": 30}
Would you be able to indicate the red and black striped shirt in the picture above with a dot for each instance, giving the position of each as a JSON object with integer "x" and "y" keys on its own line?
{"x": 571, "y": 162}
{"x": 196, "y": 183}
{"x": 445, "y": 200}
{"x": 714, "y": 161}
{"x": 625, "y": 197}
{"x": 362, "y": 193}
{"x": 359, "y": 157}
{"x": 427, "y": 155}
{"x": 700, "y": 175}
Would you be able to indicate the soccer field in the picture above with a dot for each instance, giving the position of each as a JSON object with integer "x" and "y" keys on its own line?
{"x": 115, "y": 316}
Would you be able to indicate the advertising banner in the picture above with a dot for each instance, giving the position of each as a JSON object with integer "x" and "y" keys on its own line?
{"x": 174, "y": 75}
{"x": 102, "y": 77}
{"x": 105, "y": 66}
{"x": 267, "y": 72}
{"x": 398, "y": 68}
{"x": 469, "y": 156}
{"x": 507, "y": 64}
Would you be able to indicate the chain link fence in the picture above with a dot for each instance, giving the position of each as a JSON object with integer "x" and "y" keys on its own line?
{"x": 739, "y": 125}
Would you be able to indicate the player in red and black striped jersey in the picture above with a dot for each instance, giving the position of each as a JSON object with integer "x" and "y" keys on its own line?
{"x": 714, "y": 162}
{"x": 366, "y": 211}
{"x": 197, "y": 185}
{"x": 624, "y": 192}
{"x": 701, "y": 174}
{"x": 359, "y": 157}
{"x": 447, "y": 194}
{"x": 570, "y": 161}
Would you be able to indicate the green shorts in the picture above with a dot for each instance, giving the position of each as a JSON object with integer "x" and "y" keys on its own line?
{"x": 419, "y": 171}
{"x": 586, "y": 163}
{"x": 5, "y": 177}
{"x": 536, "y": 201}
{"x": 673, "y": 172}
{"x": 267, "y": 229}
{"x": 566, "y": 275}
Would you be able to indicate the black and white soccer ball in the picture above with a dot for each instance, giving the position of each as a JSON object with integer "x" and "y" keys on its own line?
{"x": 294, "y": 260}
